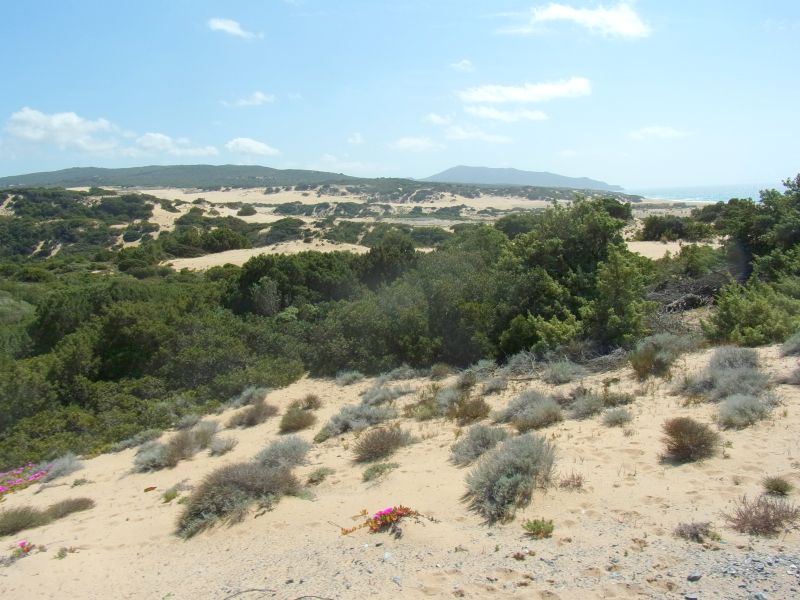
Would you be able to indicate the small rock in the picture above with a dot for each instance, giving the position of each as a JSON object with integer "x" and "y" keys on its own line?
{"x": 759, "y": 596}
{"x": 691, "y": 597}
{"x": 397, "y": 580}
{"x": 695, "y": 576}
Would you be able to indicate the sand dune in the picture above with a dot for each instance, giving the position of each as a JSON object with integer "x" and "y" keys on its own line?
{"x": 613, "y": 539}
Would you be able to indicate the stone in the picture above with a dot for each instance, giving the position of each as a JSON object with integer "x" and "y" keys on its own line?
{"x": 694, "y": 576}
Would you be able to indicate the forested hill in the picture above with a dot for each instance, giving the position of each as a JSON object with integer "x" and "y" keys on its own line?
{"x": 195, "y": 176}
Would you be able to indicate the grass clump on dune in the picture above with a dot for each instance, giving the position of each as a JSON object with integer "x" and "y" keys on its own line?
{"x": 60, "y": 467}
{"x": 791, "y": 347}
{"x": 380, "y": 394}
{"x": 505, "y": 477}
{"x": 348, "y": 377}
{"x": 478, "y": 440}
{"x": 689, "y": 440}
{"x": 296, "y": 419}
{"x": 655, "y": 355}
{"x": 378, "y": 470}
{"x": 153, "y": 455}
{"x": 777, "y": 486}
{"x": 561, "y": 372}
{"x": 380, "y": 443}
{"x": 14, "y": 520}
{"x": 253, "y": 415}
{"x": 354, "y": 417}
{"x": 530, "y": 410}
{"x": 766, "y": 516}
{"x": 731, "y": 371}
{"x": 617, "y": 417}
{"x": 740, "y": 411}
{"x": 222, "y": 445}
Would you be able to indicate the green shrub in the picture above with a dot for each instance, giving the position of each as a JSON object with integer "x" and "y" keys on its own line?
{"x": 378, "y": 470}
{"x": 654, "y": 355}
{"x": 538, "y": 528}
{"x": 617, "y": 417}
{"x": 253, "y": 415}
{"x": 777, "y": 486}
{"x": 740, "y": 411}
{"x": 478, "y": 440}
{"x": 285, "y": 453}
{"x": 319, "y": 475}
{"x": 687, "y": 440}
{"x": 354, "y": 417}
{"x": 505, "y": 477}
{"x": 767, "y": 516}
{"x": 380, "y": 443}
{"x": 563, "y": 371}
{"x": 296, "y": 419}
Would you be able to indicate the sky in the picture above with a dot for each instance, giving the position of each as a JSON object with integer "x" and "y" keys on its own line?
{"x": 651, "y": 93}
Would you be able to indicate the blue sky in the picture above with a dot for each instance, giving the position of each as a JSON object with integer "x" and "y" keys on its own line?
{"x": 646, "y": 93}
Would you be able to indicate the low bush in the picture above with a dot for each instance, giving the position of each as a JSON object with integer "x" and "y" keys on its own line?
{"x": 354, "y": 417}
{"x": 226, "y": 494}
{"x": 137, "y": 440}
{"x": 520, "y": 405}
{"x": 468, "y": 410}
{"x": 398, "y": 374}
{"x": 447, "y": 398}
{"x": 222, "y": 445}
{"x": 378, "y": 395}
{"x": 695, "y": 531}
{"x": 538, "y": 528}
{"x": 740, "y": 411}
{"x": 791, "y": 347}
{"x": 308, "y": 402}
{"x": 495, "y": 385}
{"x": 541, "y": 414}
{"x": 426, "y": 407}
{"x": 250, "y": 395}
{"x": 380, "y": 443}
{"x": 777, "y": 486}
{"x": 715, "y": 384}
{"x": 688, "y": 440}
{"x": 182, "y": 446}
{"x": 378, "y": 470}
{"x": 187, "y": 421}
{"x": 151, "y": 456}
{"x": 319, "y": 475}
{"x": 587, "y": 404}
{"x": 253, "y": 415}
{"x": 348, "y": 377}
{"x": 466, "y": 380}
{"x": 617, "y": 417}
{"x": 733, "y": 357}
{"x": 655, "y": 355}
{"x": 285, "y": 453}
{"x": 478, "y": 440}
{"x": 440, "y": 371}
{"x": 505, "y": 477}
{"x": 62, "y": 466}
{"x": 521, "y": 364}
{"x": 14, "y": 520}
{"x": 296, "y": 419}
{"x": 561, "y": 372}
{"x": 203, "y": 434}
{"x": 614, "y": 399}
{"x": 765, "y": 515}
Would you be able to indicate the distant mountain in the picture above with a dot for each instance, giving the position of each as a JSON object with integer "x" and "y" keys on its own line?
{"x": 490, "y": 176}
{"x": 194, "y": 176}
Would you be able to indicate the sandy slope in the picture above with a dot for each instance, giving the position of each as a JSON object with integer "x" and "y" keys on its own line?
{"x": 613, "y": 539}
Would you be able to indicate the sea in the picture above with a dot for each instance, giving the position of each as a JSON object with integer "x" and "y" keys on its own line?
{"x": 705, "y": 193}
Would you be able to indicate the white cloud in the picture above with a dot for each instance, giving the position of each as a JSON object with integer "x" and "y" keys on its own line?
{"x": 66, "y": 129}
{"x": 464, "y": 66}
{"x": 254, "y": 99}
{"x": 159, "y": 143}
{"x": 620, "y": 20}
{"x": 230, "y": 27}
{"x": 506, "y": 116}
{"x": 657, "y": 131}
{"x": 249, "y": 146}
{"x": 528, "y": 92}
{"x": 460, "y": 133}
{"x": 416, "y": 144}
{"x": 355, "y": 138}
{"x": 437, "y": 119}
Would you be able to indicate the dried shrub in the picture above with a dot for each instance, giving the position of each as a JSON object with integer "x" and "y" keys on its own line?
{"x": 426, "y": 407}
{"x": 688, "y": 440}
{"x": 740, "y": 411}
{"x": 614, "y": 399}
{"x": 253, "y": 415}
{"x": 521, "y": 364}
{"x": 573, "y": 481}
{"x": 777, "y": 486}
{"x": 296, "y": 419}
{"x": 478, "y": 440}
{"x": 520, "y": 405}
{"x": 495, "y": 385}
{"x": 765, "y": 515}
{"x": 561, "y": 372}
{"x": 187, "y": 421}
{"x": 348, "y": 377}
{"x": 308, "y": 402}
{"x": 378, "y": 395}
{"x": 151, "y": 456}
{"x": 14, "y": 520}
{"x": 378, "y": 470}
{"x": 137, "y": 440}
{"x": 61, "y": 509}
{"x": 695, "y": 531}
{"x": 380, "y": 443}
{"x": 285, "y": 453}
{"x": 717, "y": 384}
{"x": 60, "y": 467}
{"x": 469, "y": 410}
{"x": 617, "y": 417}
{"x": 354, "y": 417}
{"x": 733, "y": 357}
{"x": 226, "y": 494}
{"x": 440, "y": 371}
{"x": 587, "y": 404}
{"x": 541, "y": 414}
{"x": 466, "y": 380}
{"x": 222, "y": 445}
{"x": 181, "y": 446}
{"x": 250, "y": 395}
{"x": 204, "y": 433}
{"x": 791, "y": 347}
{"x": 505, "y": 477}
{"x": 655, "y": 355}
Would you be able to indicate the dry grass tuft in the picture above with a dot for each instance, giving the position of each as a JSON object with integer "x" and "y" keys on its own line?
{"x": 765, "y": 515}
{"x": 688, "y": 440}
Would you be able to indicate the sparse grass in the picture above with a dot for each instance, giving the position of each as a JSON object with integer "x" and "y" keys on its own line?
{"x": 426, "y": 407}
{"x": 187, "y": 421}
{"x": 617, "y": 417}
{"x": 204, "y": 433}
{"x": 250, "y": 395}
{"x": 285, "y": 453}
{"x": 348, "y": 377}
{"x": 614, "y": 399}
{"x": 308, "y": 402}
{"x": 378, "y": 470}
{"x": 296, "y": 419}
{"x": 505, "y": 477}
{"x": 777, "y": 486}
{"x": 740, "y": 411}
{"x": 573, "y": 481}
{"x": 319, "y": 475}
{"x": 695, "y": 531}
{"x": 655, "y": 355}
{"x": 354, "y": 417}
{"x": 60, "y": 467}
{"x": 538, "y": 528}
{"x": 791, "y": 347}
{"x": 153, "y": 456}
{"x": 378, "y": 395}
{"x": 688, "y": 440}
{"x": 222, "y": 445}
{"x": 173, "y": 492}
{"x": 380, "y": 443}
{"x": 14, "y": 520}
{"x": 253, "y": 415}
{"x": 225, "y": 495}
{"x": 587, "y": 404}
{"x": 765, "y": 515}
{"x": 561, "y": 372}
{"x": 478, "y": 440}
